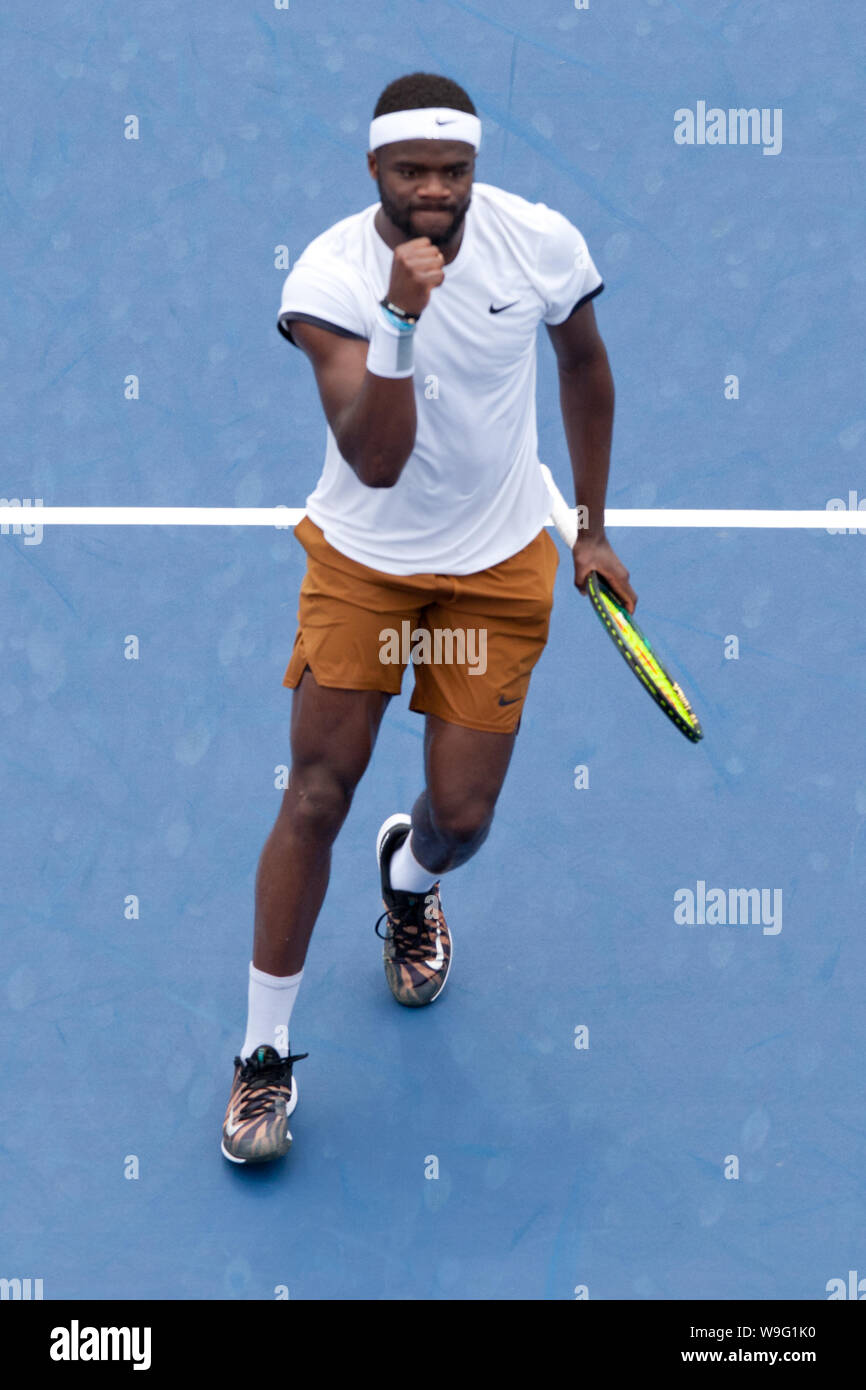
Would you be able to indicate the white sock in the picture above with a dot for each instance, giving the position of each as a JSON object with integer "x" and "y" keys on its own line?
{"x": 406, "y": 874}
{"x": 271, "y": 1000}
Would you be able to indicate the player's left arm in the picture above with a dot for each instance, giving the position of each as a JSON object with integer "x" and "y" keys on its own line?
{"x": 586, "y": 395}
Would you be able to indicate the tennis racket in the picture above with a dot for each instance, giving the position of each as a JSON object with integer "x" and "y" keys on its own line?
{"x": 624, "y": 631}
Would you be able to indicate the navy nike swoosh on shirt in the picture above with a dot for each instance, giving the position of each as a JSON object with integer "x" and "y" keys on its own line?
{"x": 503, "y": 306}
{"x": 509, "y": 702}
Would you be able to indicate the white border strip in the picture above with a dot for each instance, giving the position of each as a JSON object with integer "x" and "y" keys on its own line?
{"x": 283, "y": 517}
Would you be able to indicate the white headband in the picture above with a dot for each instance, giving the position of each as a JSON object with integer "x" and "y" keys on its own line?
{"x": 425, "y": 123}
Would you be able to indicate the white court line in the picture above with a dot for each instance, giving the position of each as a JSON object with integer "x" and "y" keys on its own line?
{"x": 284, "y": 517}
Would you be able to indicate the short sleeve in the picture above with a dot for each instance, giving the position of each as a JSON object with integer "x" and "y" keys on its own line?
{"x": 567, "y": 274}
{"x": 322, "y": 291}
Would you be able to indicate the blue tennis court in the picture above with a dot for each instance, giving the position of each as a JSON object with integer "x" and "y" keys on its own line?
{"x": 621, "y": 1103}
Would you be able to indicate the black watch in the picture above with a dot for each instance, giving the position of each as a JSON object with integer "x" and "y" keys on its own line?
{"x": 399, "y": 313}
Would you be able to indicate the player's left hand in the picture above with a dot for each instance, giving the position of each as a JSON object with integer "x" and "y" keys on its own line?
{"x": 596, "y": 553}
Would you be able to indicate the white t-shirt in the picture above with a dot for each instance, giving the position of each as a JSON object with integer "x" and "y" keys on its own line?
{"x": 471, "y": 492}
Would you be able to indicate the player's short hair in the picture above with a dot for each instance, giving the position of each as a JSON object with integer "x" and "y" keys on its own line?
{"x": 419, "y": 89}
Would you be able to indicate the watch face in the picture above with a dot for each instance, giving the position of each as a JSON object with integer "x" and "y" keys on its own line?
{"x": 400, "y": 313}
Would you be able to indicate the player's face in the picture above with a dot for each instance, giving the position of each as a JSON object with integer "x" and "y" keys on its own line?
{"x": 425, "y": 186}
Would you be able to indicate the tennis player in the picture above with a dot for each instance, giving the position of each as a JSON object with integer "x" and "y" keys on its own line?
{"x": 419, "y": 316}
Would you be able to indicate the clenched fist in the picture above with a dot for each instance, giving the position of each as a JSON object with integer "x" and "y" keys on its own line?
{"x": 416, "y": 270}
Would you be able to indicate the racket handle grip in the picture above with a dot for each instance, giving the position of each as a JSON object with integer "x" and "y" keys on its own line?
{"x": 562, "y": 516}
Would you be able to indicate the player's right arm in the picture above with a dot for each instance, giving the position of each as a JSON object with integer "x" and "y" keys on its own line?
{"x": 373, "y": 418}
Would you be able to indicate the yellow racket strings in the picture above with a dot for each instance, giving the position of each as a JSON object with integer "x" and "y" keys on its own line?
{"x": 640, "y": 649}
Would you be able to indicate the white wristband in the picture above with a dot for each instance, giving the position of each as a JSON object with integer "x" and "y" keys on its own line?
{"x": 391, "y": 351}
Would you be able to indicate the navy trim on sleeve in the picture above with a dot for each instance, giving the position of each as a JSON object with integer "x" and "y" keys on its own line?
{"x": 586, "y": 298}
{"x": 291, "y": 317}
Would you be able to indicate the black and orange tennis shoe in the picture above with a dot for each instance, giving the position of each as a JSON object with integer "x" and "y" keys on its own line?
{"x": 264, "y": 1093}
{"x": 417, "y": 951}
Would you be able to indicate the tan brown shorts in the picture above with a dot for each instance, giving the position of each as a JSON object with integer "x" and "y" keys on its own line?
{"x": 472, "y": 639}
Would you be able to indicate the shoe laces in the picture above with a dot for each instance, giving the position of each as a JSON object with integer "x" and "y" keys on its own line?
{"x": 411, "y": 930}
{"x": 259, "y": 1079}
